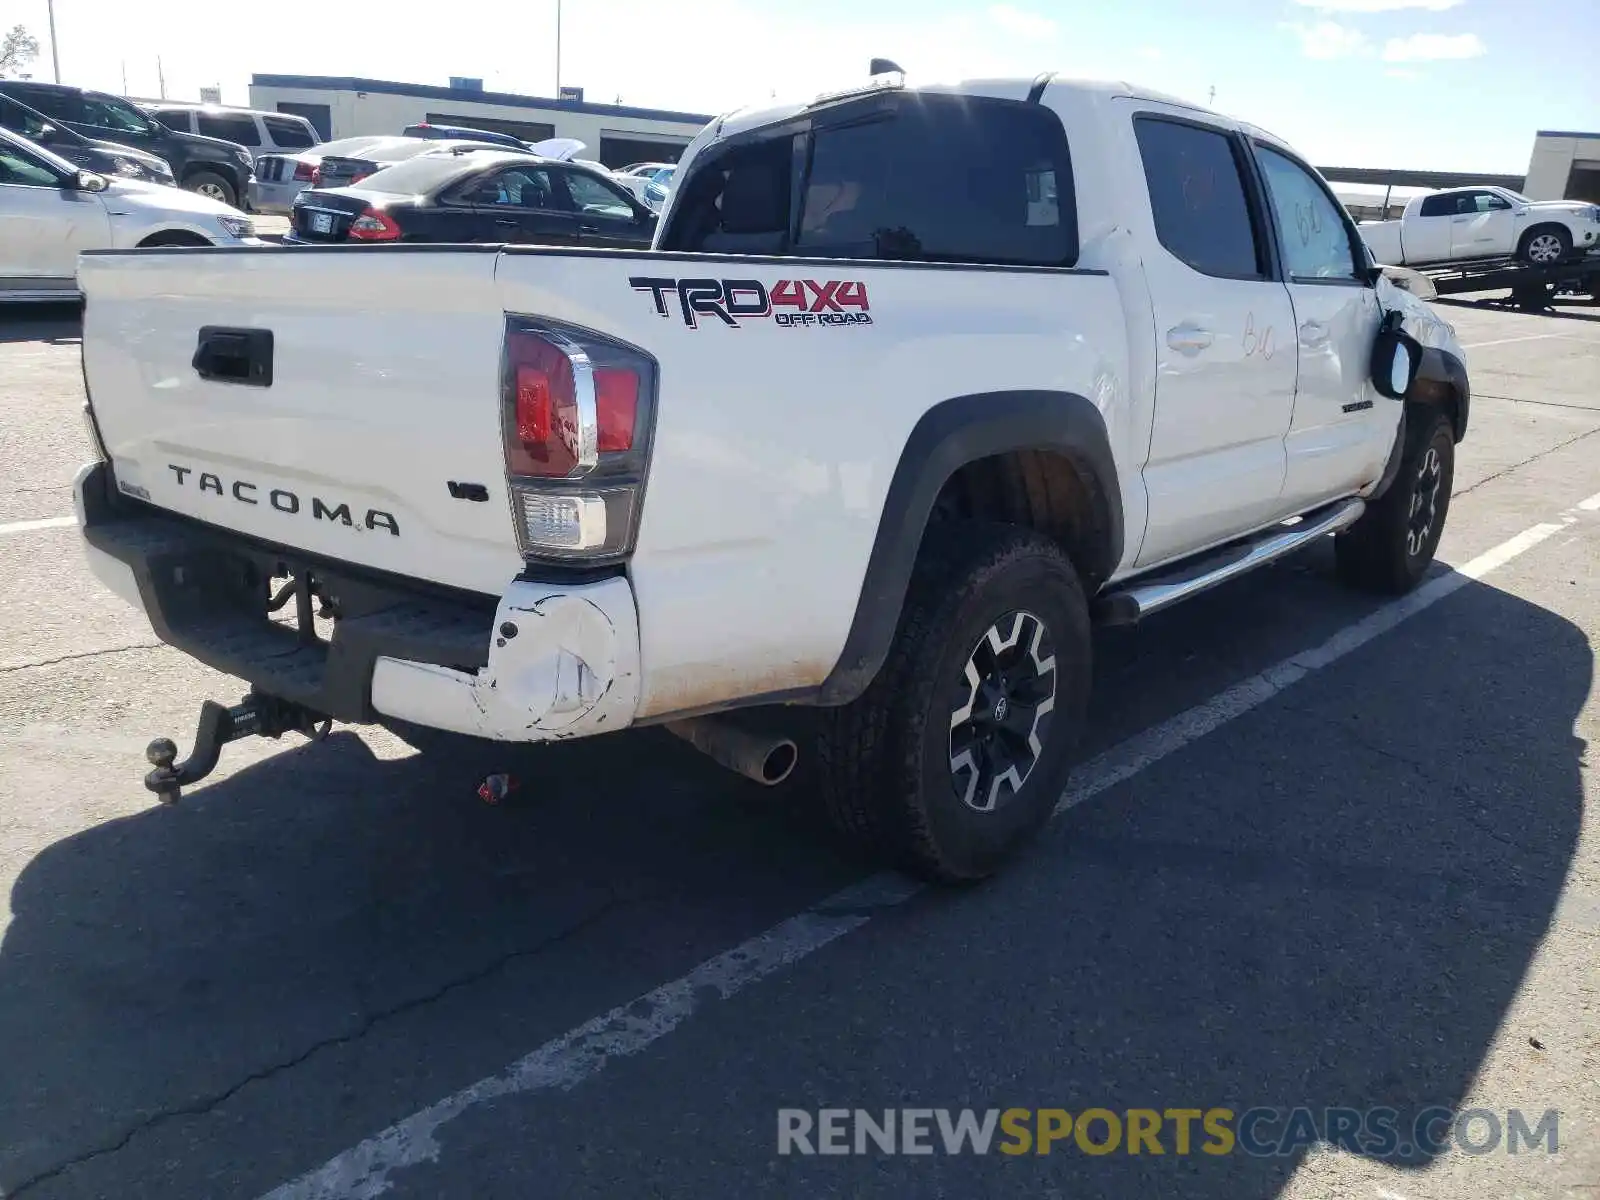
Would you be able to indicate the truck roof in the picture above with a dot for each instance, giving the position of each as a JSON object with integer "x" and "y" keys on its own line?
{"x": 1002, "y": 88}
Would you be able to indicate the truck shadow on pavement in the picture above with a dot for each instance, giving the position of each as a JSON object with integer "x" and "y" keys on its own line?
{"x": 1329, "y": 902}
{"x": 54, "y": 324}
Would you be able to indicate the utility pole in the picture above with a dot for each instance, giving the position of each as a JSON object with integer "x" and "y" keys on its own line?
{"x": 558, "y": 47}
{"x": 124, "y": 77}
{"x": 161, "y": 77}
{"x": 1211, "y": 98}
{"x": 55, "y": 54}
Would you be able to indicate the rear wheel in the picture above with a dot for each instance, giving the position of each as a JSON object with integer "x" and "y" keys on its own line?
{"x": 958, "y": 751}
{"x": 213, "y": 186}
{"x": 1391, "y": 547}
{"x": 1545, "y": 246}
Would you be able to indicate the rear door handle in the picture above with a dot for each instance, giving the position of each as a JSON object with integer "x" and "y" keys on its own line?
{"x": 1188, "y": 339}
{"x": 588, "y": 229}
{"x": 508, "y": 222}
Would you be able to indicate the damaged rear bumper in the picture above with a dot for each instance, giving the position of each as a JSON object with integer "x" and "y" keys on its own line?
{"x": 545, "y": 661}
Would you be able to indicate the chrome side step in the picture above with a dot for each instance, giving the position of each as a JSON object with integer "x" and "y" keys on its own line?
{"x": 1127, "y": 603}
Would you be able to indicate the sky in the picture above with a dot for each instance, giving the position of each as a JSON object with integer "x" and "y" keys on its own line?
{"x": 1430, "y": 84}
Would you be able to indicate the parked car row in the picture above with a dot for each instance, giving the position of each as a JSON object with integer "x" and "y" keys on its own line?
{"x": 51, "y": 209}
{"x": 386, "y": 189}
{"x": 84, "y": 170}
{"x": 220, "y": 170}
{"x": 467, "y": 192}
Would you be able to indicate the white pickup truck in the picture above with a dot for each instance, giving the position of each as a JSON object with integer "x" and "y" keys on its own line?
{"x": 1469, "y": 223}
{"x": 915, "y": 386}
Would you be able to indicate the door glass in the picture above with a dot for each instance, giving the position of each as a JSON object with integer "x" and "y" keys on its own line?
{"x": 230, "y": 127}
{"x": 595, "y": 199}
{"x": 19, "y": 170}
{"x": 61, "y": 106}
{"x": 515, "y": 187}
{"x": 1311, "y": 225}
{"x": 1198, "y": 198}
{"x": 1437, "y": 206}
{"x": 109, "y": 113}
{"x": 287, "y": 134}
{"x": 18, "y": 119}
{"x": 952, "y": 179}
{"x": 174, "y": 118}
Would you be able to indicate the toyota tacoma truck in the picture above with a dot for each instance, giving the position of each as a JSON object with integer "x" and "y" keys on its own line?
{"x": 1478, "y": 223}
{"x": 915, "y": 386}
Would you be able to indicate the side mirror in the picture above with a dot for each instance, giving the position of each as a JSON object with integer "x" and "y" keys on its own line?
{"x": 88, "y": 181}
{"x": 1396, "y": 357}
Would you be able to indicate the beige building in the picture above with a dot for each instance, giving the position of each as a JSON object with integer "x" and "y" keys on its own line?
{"x": 1565, "y": 166}
{"x": 340, "y": 107}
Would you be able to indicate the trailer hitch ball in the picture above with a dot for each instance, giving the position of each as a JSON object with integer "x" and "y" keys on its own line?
{"x": 256, "y": 715}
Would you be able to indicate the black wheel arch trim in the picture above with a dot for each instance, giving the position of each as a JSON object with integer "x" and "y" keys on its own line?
{"x": 1441, "y": 367}
{"x": 950, "y": 435}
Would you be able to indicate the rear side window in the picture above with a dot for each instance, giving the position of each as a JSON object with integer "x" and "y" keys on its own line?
{"x": 1197, "y": 195}
{"x": 1438, "y": 206}
{"x": 174, "y": 118}
{"x": 906, "y": 176}
{"x": 289, "y": 135}
{"x": 947, "y": 179}
{"x": 230, "y": 127}
{"x": 63, "y": 106}
{"x": 18, "y": 119}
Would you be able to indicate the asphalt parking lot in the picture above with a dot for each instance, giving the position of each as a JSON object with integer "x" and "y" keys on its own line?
{"x": 1325, "y": 852}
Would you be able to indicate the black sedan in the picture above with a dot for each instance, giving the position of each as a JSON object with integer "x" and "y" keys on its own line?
{"x": 474, "y": 195}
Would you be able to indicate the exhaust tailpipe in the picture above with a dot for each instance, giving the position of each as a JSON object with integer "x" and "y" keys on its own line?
{"x": 767, "y": 760}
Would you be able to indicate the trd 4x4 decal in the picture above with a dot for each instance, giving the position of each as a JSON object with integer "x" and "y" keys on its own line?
{"x": 818, "y": 303}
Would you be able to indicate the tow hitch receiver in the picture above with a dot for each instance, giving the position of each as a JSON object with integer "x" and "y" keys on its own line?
{"x": 256, "y": 714}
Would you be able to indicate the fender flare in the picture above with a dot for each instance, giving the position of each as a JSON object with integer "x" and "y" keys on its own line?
{"x": 950, "y": 435}
{"x": 1442, "y": 377}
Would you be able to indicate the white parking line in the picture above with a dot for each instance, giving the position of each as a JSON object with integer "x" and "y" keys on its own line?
{"x": 1532, "y": 337}
{"x": 363, "y": 1171}
{"x": 42, "y": 523}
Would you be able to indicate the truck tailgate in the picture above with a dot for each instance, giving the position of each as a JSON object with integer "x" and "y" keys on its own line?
{"x": 384, "y": 390}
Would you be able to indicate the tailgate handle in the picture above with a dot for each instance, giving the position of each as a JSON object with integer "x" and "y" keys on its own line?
{"x": 234, "y": 355}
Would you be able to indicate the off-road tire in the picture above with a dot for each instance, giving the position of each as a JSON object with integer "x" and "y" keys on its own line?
{"x": 209, "y": 183}
{"x": 1391, "y": 547}
{"x": 885, "y": 760}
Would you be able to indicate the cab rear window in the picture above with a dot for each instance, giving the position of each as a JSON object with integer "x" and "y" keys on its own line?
{"x": 902, "y": 176}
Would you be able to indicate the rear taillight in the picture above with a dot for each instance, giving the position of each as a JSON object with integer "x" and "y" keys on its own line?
{"x": 374, "y": 225}
{"x": 578, "y": 414}
{"x": 304, "y": 172}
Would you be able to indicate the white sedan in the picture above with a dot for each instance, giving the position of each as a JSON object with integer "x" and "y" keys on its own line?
{"x": 648, "y": 182}
{"x": 50, "y": 210}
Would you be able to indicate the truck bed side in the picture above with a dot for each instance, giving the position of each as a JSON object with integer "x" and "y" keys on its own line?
{"x": 777, "y": 438}
{"x": 784, "y": 407}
